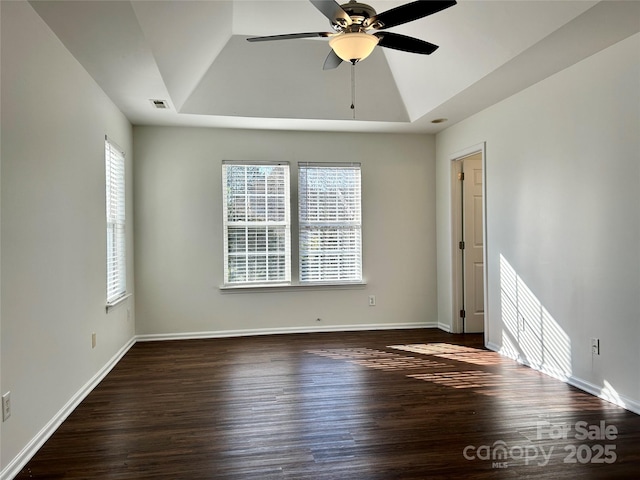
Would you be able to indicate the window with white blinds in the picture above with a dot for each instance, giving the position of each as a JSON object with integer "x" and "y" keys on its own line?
{"x": 116, "y": 239}
{"x": 256, "y": 221}
{"x": 330, "y": 223}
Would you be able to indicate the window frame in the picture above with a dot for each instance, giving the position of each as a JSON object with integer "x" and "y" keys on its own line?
{"x": 116, "y": 219}
{"x": 294, "y": 282}
{"x": 283, "y": 225}
{"x": 331, "y": 230}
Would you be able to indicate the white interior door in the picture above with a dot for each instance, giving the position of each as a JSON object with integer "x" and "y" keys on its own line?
{"x": 473, "y": 251}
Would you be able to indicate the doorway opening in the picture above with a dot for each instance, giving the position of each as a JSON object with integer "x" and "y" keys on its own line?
{"x": 468, "y": 241}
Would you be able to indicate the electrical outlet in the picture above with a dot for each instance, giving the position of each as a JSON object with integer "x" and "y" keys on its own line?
{"x": 372, "y": 300}
{"x": 595, "y": 346}
{"x": 6, "y": 406}
{"x": 93, "y": 340}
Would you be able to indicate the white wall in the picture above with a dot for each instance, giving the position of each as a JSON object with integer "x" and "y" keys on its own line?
{"x": 563, "y": 221}
{"x": 563, "y": 227}
{"x": 178, "y": 202}
{"x": 54, "y": 119}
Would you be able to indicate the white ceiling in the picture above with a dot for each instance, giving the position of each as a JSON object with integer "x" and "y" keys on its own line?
{"x": 194, "y": 54}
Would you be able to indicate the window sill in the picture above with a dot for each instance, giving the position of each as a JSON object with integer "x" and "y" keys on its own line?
{"x": 288, "y": 287}
{"x": 111, "y": 305}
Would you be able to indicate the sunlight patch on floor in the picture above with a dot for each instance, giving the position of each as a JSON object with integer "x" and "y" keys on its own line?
{"x": 390, "y": 361}
{"x": 435, "y": 348}
{"x": 464, "y": 379}
{"x": 378, "y": 359}
{"x": 480, "y": 358}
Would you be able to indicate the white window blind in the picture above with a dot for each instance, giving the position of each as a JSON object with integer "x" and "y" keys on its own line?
{"x": 257, "y": 232}
{"x": 116, "y": 238}
{"x": 330, "y": 223}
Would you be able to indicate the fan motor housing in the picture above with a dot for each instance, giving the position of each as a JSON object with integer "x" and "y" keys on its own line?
{"x": 359, "y": 13}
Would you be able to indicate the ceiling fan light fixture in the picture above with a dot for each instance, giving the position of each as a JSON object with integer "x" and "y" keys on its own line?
{"x": 353, "y": 47}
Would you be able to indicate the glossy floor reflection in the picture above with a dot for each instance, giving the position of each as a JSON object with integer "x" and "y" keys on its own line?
{"x": 405, "y": 404}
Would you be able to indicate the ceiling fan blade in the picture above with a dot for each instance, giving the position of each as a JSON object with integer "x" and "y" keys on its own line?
{"x": 332, "y": 61}
{"x": 407, "y": 13}
{"x": 289, "y": 36}
{"x": 404, "y": 43}
{"x": 333, "y": 11}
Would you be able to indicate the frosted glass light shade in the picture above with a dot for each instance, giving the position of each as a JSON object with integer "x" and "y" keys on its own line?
{"x": 353, "y": 46}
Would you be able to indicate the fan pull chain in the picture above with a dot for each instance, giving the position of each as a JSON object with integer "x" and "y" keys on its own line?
{"x": 353, "y": 89}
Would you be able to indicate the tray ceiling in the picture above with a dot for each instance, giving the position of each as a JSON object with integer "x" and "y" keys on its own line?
{"x": 194, "y": 54}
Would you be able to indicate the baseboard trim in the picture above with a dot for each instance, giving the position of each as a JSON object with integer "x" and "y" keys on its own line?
{"x": 445, "y": 327}
{"x": 17, "y": 464}
{"x": 605, "y": 394}
{"x": 14, "y": 467}
{"x": 597, "y": 391}
{"x": 279, "y": 331}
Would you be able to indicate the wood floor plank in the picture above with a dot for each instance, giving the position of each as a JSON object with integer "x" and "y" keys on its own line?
{"x": 405, "y": 404}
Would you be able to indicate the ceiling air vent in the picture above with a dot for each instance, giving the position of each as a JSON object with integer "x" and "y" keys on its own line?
{"x": 161, "y": 104}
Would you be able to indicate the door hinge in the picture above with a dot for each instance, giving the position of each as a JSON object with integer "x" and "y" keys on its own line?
{"x": 461, "y": 245}
{"x": 460, "y": 175}
{"x": 463, "y": 314}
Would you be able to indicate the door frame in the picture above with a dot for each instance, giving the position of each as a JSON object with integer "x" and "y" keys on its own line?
{"x": 457, "y": 293}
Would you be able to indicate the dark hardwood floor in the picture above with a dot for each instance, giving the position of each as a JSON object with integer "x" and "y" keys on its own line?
{"x": 404, "y": 404}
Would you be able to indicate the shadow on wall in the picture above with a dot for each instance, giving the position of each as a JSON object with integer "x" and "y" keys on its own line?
{"x": 530, "y": 334}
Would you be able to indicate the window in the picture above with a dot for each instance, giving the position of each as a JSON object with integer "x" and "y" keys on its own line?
{"x": 256, "y": 217}
{"x": 116, "y": 238}
{"x": 330, "y": 223}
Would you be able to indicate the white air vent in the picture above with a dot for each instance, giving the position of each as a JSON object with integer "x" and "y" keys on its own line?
{"x": 161, "y": 104}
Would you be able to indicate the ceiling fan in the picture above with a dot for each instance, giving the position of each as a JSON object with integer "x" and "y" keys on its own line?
{"x": 351, "y": 41}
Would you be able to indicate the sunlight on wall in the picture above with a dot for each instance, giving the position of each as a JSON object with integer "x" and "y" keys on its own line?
{"x": 610, "y": 394}
{"x": 530, "y": 333}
